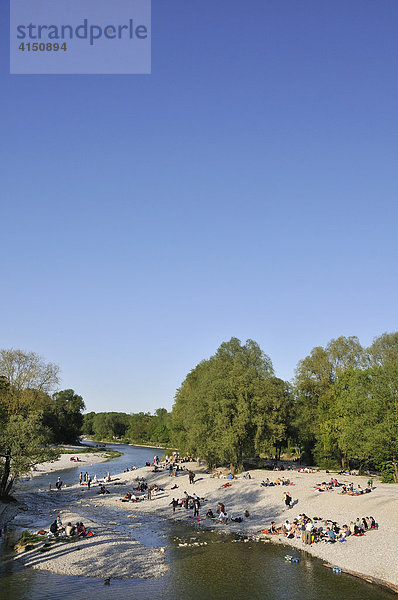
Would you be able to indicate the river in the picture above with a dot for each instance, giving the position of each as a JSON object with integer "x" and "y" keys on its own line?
{"x": 226, "y": 568}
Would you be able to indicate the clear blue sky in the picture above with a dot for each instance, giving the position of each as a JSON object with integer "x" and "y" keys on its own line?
{"x": 247, "y": 188}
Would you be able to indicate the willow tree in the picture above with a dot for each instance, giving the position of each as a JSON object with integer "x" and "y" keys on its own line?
{"x": 217, "y": 409}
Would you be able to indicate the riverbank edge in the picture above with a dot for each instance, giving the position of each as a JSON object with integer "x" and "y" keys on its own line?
{"x": 363, "y": 575}
{"x": 10, "y": 509}
{"x": 282, "y": 542}
{"x": 367, "y": 578}
{"x": 154, "y": 446}
{"x": 16, "y": 506}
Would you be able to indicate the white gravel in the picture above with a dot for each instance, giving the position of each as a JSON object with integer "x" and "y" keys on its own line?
{"x": 110, "y": 554}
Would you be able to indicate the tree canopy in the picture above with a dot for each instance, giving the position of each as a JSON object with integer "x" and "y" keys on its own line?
{"x": 30, "y": 418}
{"x": 24, "y": 370}
{"x": 139, "y": 428}
{"x": 231, "y": 405}
{"x": 347, "y": 402}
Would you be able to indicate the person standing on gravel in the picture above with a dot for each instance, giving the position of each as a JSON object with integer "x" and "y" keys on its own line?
{"x": 196, "y": 507}
{"x": 287, "y": 499}
{"x": 174, "y": 504}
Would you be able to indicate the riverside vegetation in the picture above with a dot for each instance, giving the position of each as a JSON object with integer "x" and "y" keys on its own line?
{"x": 340, "y": 410}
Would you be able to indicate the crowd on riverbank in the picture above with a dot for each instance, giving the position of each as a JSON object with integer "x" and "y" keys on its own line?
{"x": 244, "y": 505}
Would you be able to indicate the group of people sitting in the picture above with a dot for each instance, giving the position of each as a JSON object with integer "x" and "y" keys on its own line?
{"x": 129, "y": 497}
{"x": 172, "y": 464}
{"x": 319, "y": 530}
{"x": 345, "y": 488}
{"x": 328, "y": 485}
{"x": 142, "y": 486}
{"x": 176, "y": 458}
{"x": 358, "y": 491}
{"x": 221, "y": 475}
{"x": 278, "y": 481}
{"x": 188, "y": 502}
{"x": 69, "y": 530}
{"x": 224, "y": 517}
{"x": 193, "y": 502}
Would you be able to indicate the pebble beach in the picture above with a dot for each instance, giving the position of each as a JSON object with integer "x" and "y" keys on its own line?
{"x": 370, "y": 556}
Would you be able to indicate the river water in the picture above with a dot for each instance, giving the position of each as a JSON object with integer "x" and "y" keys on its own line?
{"x": 226, "y": 568}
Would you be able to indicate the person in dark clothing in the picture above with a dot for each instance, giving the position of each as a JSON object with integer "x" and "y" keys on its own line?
{"x": 186, "y": 500}
{"x": 196, "y": 507}
{"x": 54, "y": 528}
{"x": 273, "y": 528}
{"x": 287, "y": 497}
{"x": 174, "y": 504}
{"x": 80, "y": 529}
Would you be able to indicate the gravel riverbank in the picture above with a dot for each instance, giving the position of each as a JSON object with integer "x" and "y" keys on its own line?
{"x": 372, "y": 555}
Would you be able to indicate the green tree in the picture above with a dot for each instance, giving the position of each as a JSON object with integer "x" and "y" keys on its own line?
{"x": 24, "y": 384}
{"x": 88, "y": 424}
{"x": 159, "y": 427}
{"x": 227, "y": 407}
{"x": 273, "y": 416}
{"x": 23, "y": 444}
{"x": 383, "y": 437}
{"x": 314, "y": 380}
{"x": 110, "y": 425}
{"x": 360, "y": 421}
{"x": 139, "y": 425}
{"x": 65, "y": 417}
{"x": 384, "y": 349}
